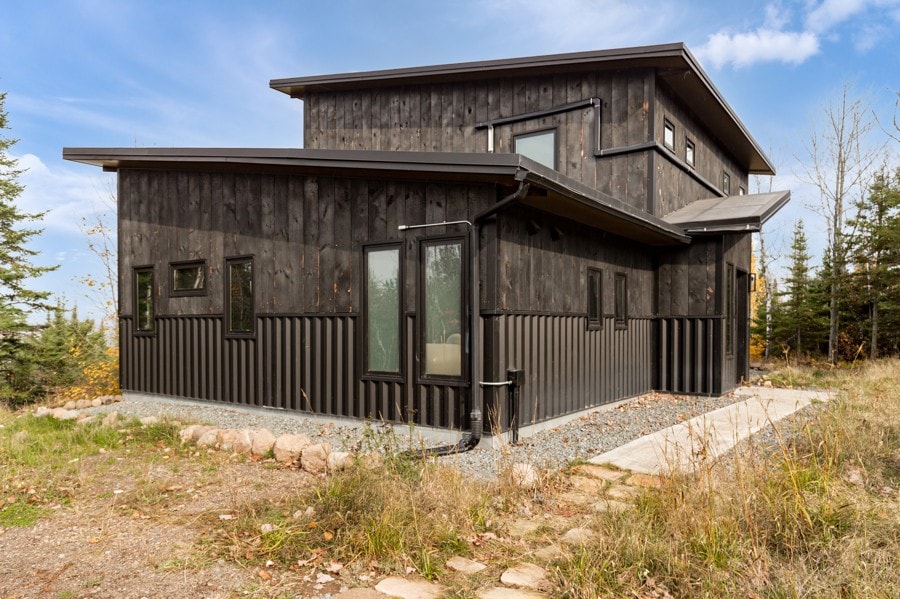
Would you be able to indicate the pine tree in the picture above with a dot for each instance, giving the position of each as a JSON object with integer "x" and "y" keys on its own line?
{"x": 17, "y": 299}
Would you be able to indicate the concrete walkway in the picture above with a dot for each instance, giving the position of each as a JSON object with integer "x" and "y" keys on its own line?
{"x": 710, "y": 435}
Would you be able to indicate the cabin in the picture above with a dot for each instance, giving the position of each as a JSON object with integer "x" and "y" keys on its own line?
{"x": 469, "y": 246}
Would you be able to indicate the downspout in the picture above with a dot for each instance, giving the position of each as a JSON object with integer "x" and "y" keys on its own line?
{"x": 472, "y": 437}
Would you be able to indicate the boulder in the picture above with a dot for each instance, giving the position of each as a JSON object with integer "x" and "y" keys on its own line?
{"x": 287, "y": 448}
{"x": 42, "y": 411}
{"x": 524, "y": 475}
{"x": 64, "y": 414}
{"x": 96, "y": 402}
{"x": 148, "y": 420}
{"x": 261, "y": 441}
{"x": 338, "y": 460}
{"x": 111, "y": 419}
{"x": 529, "y": 576}
{"x": 69, "y": 405}
{"x": 209, "y": 438}
{"x": 314, "y": 458}
{"x": 83, "y": 403}
{"x": 237, "y": 441}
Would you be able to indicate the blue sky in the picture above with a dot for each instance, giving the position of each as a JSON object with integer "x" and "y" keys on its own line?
{"x": 195, "y": 73}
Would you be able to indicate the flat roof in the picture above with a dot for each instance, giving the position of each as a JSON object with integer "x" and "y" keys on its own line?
{"x": 674, "y": 63}
{"x": 565, "y": 196}
{"x": 730, "y": 214}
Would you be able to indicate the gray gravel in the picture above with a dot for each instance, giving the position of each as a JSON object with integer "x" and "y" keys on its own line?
{"x": 582, "y": 438}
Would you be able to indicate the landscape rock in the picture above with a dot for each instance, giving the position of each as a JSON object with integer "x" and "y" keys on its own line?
{"x": 609, "y": 505}
{"x": 261, "y": 441}
{"x": 63, "y": 414}
{"x": 69, "y": 405}
{"x": 338, "y": 460}
{"x": 314, "y": 458}
{"x": 465, "y": 565}
{"x": 577, "y": 536}
{"x": 287, "y": 448}
{"x": 360, "y": 593}
{"x": 372, "y": 460}
{"x": 522, "y": 527}
{"x": 148, "y": 420}
{"x": 42, "y": 411}
{"x": 524, "y": 475}
{"x": 111, "y": 419}
{"x": 235, "y": 440}
{"x": 395, "y": 586}
{"x": 529, "y": 576}
{"x": 194, "y": 432}
{"x": 86, "y": 419}
{"x": 83, "y": 403}
{"x": 550, "y": 553}
{"x": 96, "y": 402}
{"x": 209, "y": 438}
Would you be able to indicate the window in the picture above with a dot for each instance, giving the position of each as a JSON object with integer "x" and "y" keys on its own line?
{"x": 729, "y": 309}
{"x": 726, "y": 183}
{"x": 382, "y": 305}
{"x": 540, "y": 146}
{"x": 188, "y": 278}
{"x": 741, "y": 190}
{"x": 689, "y": 151}
{"x": 239, "y": 295}
{"x": 144, "y": 311}
{"x": 443, "y": 312}
{"x": 595, "y": 298}
{"x": 621, "y": 299}
{"x": 669, "y": 134}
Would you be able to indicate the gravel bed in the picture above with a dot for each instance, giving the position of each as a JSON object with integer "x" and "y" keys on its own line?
{"x": 582, "y": 438}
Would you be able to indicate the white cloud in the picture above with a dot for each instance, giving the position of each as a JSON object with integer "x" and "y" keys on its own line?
{"x": 831, "y": 13}
{"x": 762, "y": 45}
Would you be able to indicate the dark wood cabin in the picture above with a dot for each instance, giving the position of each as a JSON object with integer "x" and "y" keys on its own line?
{"x": 575, "y": 223}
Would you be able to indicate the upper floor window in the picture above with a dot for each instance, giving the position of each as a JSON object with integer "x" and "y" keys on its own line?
{"x": 726, "y": 183}
{"x": 144, "y": 311}
{"x": 689, "y": 151}
{"x": 669, "y": 134}
{"x": 595, "y": 299}
{"x": 188, "y": 278}
{"x": 540, "y": 146}
{"x": 239, "y": 295}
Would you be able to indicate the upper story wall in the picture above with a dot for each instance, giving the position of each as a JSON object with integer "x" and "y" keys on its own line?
{"x": 635, "y": 106}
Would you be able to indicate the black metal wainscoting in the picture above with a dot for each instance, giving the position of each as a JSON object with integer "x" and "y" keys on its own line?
{"x": 687, "y": 356}
{"x": 302, "y": 363}
{"x": 568, "y": 368}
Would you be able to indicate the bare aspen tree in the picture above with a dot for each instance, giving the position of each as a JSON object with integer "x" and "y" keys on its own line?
{"x": 100, "y": 234}
{"x": 839, "y": 164}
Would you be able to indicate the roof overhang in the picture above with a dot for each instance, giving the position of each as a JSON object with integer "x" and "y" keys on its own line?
{"x": 674, "y": 64}
{"x": 732, "y": 214}
{"x": 561, "y": 195}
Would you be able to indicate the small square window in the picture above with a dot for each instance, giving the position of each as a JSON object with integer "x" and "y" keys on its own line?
{"x": 741, "y": 190}
{"x": 188, "y": 278}
{"x": 621, "y": 300}
{"x": 595, "y": 299}
{"x": 540, "y": 146}
{"x": 669, "y": 134}
{"x": 726, "y": 183}
{"x": 689, "y": 152}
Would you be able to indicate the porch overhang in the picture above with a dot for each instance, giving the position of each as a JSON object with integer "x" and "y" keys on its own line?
{"x": 732, "y": 214}
{"x": 561, "y": 195}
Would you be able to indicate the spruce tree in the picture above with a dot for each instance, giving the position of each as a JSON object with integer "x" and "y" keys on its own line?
{"x": 17, "y": 299}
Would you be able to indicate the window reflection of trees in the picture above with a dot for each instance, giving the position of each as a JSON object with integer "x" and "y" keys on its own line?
{"x": 241, "y": 297}
{"x": 443, "y": 291}
{"x": 145, "y": 300}
{"x": 383, "y": 296}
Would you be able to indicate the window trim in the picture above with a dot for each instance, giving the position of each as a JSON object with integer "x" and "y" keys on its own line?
{"x": 690, "y": 146}
{"x": 730, "y": 305}
{"x": 595, "y": 322}
{"x": 173, "y": 266}
{"x": 620, "y": 319}
{"x": 136, "y": 271}
{"x": 463, "y": 377}
{"x": 229, "y": 260}
{"x": 535, "y": 133}
{"x": 726, "y": 183}
{"x": 380, "y": 375}
{"x": 668, "y": 126}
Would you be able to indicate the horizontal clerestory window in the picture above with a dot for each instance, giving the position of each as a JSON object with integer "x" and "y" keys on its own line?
{"x": 540, "y": 146}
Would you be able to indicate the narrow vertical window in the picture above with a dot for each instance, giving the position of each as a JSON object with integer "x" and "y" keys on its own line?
{"x": 239, "y": 295}
{"x": 669, "y": 134}
{"x": 729, "y": 309}
{"x": 621, "y": 301}
{"x": 741, "y": 191}
{"x": 382, "y": 319}
{"x": 726, "y": 183}
{"x": 540, "y": 146}
{"x": 689, "y": 152}
{"x": 144, "y": 311}
{"x": 595, "y": 299}
{"x": 443, "y": 314}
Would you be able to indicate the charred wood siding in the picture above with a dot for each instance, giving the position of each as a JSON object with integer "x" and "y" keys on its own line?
{"x": 442, "y": 117}
{"x": 306, "y": 235}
